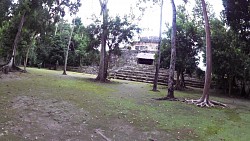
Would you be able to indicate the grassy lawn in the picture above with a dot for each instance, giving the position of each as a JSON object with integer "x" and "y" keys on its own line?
{"x": 45, "y": 105}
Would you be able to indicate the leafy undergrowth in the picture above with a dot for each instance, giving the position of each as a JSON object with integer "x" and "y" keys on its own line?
{"x": 123, "y": 110}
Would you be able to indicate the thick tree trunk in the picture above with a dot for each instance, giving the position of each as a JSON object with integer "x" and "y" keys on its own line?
{"x": 102, "y": 74}
{"x": 170, "y": 93}
{"x": 158, "y": 61}
{"x": 11, "y": 64}
{"x": 67, "y": 52}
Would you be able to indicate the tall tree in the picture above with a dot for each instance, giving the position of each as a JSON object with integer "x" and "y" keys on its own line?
{"x": 11, "y": 65}
{"x": 204, "y": 100}
{"x": 237, "y": 15}
{"x": 85, "y": 44}
{"x": 187, "y": 46}
{"x": 229, "y": 59}
{"x": 120, "y": 30}
{"x": 170, "y": 93}
{"x": 158, "y": 61}
{"x": 55, "y": 10}
{"x": 67, "y": 51}
{"x": 102, "y": 74}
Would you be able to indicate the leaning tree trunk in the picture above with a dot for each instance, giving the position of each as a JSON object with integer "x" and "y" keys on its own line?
{"x": 204, "y": 100}
{"x": 158, "y": 61}
{"x": 11, "y": 64}
{"x": 67, "y": 52}
{"x": 102, "y": 74}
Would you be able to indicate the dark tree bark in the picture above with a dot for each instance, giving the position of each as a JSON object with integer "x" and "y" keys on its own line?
{"x": 158, "y": 61}
{"x": 11, "y": 64}
{"x": 204, "y": 100}
{"x": 102, "y": 74}
{"x": 182, "y": 82}
{"x": 67, "y": 52}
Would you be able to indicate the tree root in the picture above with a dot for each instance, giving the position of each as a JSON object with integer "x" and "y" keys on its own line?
{"x": 205, "y": 103}
{"x": 6, "y": 69}
{"x": 167, "y": 98}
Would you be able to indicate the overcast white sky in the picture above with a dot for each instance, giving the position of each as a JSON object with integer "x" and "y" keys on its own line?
{"x": 151, "y": 18}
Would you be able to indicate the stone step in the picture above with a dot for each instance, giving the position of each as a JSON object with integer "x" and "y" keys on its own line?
{"x": 146, "y": 75}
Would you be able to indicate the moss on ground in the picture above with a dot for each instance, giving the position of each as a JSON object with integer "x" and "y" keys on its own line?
{"x": 132, "y": 102}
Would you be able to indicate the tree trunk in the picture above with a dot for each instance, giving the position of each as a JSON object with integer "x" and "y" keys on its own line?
{"x": 170, "y": 93}
{"x": 171, "y": 70}
{"x": 26, "y": 60}
{"x": 11, "y": 65}
{"x": 178, "y": 85}
{"x": 102, "y": 74}
{"x": 183, "y": 85}
{"x": 204, "y": 100}
{"x": 158, "y": 61}
{"x": 27, "y": 52}
{"x": 108, "y": 62}
{"x": 205, "y": 96}
{"x": 229, "y": 85}
{"x": 67, "y": 52}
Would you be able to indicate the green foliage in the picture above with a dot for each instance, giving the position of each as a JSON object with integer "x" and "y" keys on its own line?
{"x": 197, "y": 13}
{"x": 5, "y": 10}
{"x": 85, "y": 45}
{"x": 188, "y": 43}
{"x": 237, "y": 14}
{"x": 7, "y": 35}
{"x": 120, "y": 30}
{"x": 229, "y": 59}
{"x": 40, "y": 17}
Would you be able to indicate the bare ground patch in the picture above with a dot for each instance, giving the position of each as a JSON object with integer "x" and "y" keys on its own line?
{"x": 49, "y": 120}
{"x": 11, "y": 76}
{"x": 52, "y": 119}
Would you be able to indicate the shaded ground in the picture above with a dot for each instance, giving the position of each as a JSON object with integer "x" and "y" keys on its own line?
{"x": 45, "y": 105}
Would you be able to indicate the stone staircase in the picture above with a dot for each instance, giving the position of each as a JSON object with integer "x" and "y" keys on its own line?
{"x": 146, "y": 74}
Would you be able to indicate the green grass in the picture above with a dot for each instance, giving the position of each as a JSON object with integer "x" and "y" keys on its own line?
{"x": 132, "y": 102}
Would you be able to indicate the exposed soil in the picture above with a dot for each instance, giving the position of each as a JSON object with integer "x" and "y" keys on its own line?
{"x": 49, "y": 119}
{"x": 38, "y": 119}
